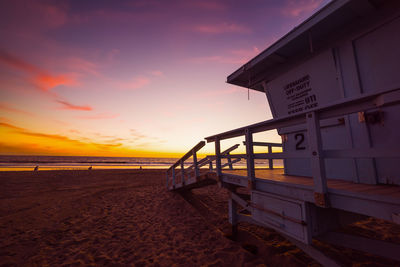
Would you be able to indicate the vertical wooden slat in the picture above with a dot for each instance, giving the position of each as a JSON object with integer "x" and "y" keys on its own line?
{"x": 317, "y": 159}
{"x": 229, "y": 162}
{"x": 183, "y": 173}
{"x": 196, "y": 168}
{"x": 166, "y": 176}
{"x": 250, "y": 158}
{"x": 210, "y": 165}
{"x": 270, "y": 161}
{"x": 218, "y": 157}
{"x": 173, "y": 177}
{"x": 233, "y": 217}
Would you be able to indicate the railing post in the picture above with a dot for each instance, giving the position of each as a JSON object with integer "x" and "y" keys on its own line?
{"x": 196, "y": 168}
{"x": 317, "y": 160}
{"x": 173, "y": 177}
{"x": 183, "y": 173}
{"x": 166, "y": 176}
{"x": 229, "y": 161}
{"x": 210, "y": 165}
{"x": 270, "y": 161}
{"x": 218, "y": 158}
{"x": 232, "y": 208}
{"x": 250, "y": 158}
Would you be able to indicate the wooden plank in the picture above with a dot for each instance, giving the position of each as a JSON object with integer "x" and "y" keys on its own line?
{"x": 317, "y": 160}
{"x": 196, "y": 167}
{"x": 250, "y": 156}
{"x": 227, "y": 151}
{"x": 265, "y": 144}
{"x": 376, "y": 204}
{"x": 339, "y": 108}
{"x": 218, "y": 157}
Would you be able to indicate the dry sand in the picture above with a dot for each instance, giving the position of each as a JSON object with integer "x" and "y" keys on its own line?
{"x": 127, "y": 217}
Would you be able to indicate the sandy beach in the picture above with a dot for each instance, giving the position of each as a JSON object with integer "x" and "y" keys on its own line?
{"x": 127, "y": 217}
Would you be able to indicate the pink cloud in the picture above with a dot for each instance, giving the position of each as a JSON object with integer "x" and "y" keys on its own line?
{"x": 240, "y": 56}
{"x": 99, "y": 116}
{"x": 135, "y": 83}
{"x": 209, "y": 5}
{"x": 46, "y": 81}
{"x": 42, "y": 79}
{"x": 67, "y": 105}
{"x": 157, "y": 73}
{"x": 296, "y": 8}
{"x": 221, "y": 28}
{"x": 81, "y": 65}
{"x": 220, "y": 92}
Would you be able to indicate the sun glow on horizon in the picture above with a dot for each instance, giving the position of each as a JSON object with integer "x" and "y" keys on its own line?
{"x": 131, "y": 78}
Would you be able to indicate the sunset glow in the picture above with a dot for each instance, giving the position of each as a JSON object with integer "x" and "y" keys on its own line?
{"x": 131, "y": 78}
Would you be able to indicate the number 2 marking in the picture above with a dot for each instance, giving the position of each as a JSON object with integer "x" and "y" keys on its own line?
{"x": 300, "y": 139}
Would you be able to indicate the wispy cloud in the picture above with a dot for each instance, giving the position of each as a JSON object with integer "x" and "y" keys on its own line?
{"x": 221, "y": 28}
{"x": 295, "y": 8}
{"x": 8, "y": 125}
{"x": 99, "y": 116}
{"x": 239, "y": 56}
{"x": 135, "y": 83}
{"x": 207, "y": 5}
{"x": 220, "y": 92}
{"x": 40, "y": 78}
{"x": 83, "y": 66}
{"x": 52, "y": 142}
{"x": 8, "y": 108}
{"x": 157, "y": 73}
{"x": 67, "y": 105}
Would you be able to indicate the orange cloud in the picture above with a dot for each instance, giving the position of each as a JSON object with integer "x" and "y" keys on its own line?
{"x": 47, "y": 82}
{"x": 67, "y": 105}
{"x": 297, "y": 8}
{"x": 221, "y": 28}
{"x": 40, "y": 78}
{"x": 8, "y": 125}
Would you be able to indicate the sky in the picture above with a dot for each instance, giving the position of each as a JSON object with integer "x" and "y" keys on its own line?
{"x": 132, "y": 78}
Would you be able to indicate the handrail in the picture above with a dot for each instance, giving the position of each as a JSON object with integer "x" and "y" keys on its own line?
{"x": 311, "y": 119}
{"x": 189, "y": 154}
{"x": 340, "y": 108}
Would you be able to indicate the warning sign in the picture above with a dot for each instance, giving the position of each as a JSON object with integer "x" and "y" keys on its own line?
{"x": 299, "y": 95}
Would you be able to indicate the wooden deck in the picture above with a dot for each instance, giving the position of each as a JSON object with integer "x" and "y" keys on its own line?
{"x": 380, "y": 201}
{"x": 278, "y": 176}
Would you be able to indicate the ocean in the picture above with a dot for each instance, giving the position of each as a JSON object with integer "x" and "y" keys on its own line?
{"x": 29, "y": 163}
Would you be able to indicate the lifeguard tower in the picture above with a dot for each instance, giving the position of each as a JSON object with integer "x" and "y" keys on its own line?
{"x": 333, "y": 86}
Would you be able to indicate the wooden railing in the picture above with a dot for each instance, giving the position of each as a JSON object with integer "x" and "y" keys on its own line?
{"x": 194, "y": 169}
{"x": 171, "y": 173}
{"x": 269, "y": 147}
{"x": 315, "y": 152}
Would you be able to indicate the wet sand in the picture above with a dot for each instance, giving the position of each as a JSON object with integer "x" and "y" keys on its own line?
{"x": 127, "y": 217}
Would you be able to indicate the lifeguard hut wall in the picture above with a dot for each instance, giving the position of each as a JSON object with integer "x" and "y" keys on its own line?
{"x": 348, "y": 49}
